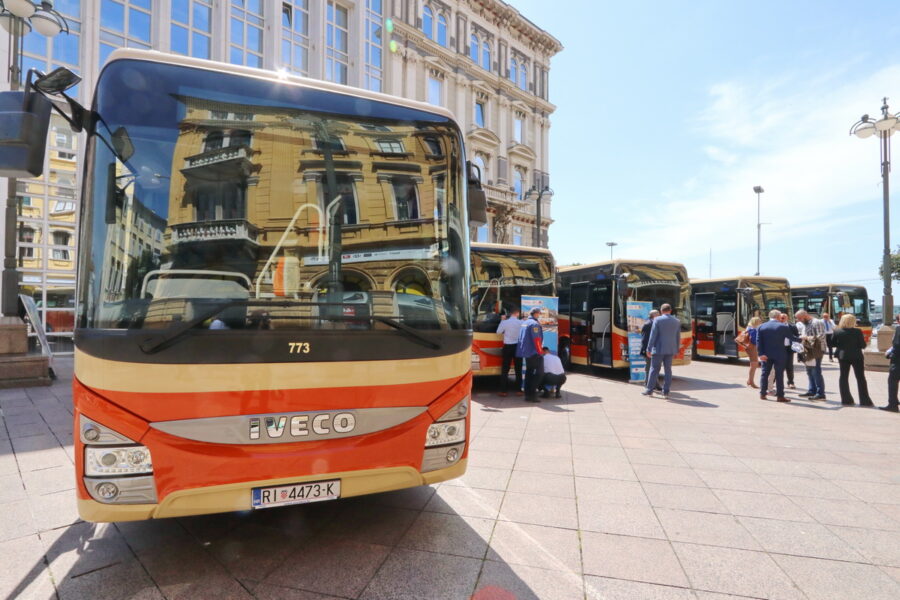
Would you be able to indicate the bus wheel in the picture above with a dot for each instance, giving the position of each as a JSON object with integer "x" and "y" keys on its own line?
{"x": 565, "y": 356}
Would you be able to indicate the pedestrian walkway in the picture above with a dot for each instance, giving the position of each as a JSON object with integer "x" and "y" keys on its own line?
{"x": 603, "y": 494}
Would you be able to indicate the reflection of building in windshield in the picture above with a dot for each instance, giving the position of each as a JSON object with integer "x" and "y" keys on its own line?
{"x": 500, "y": 278}
{"x": 248, "y": 193}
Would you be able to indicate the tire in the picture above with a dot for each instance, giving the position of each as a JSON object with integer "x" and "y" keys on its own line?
{"x": 565, "y": 356}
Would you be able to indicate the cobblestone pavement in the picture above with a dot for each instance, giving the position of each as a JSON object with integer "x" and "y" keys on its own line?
{"x": 714, "y": 494}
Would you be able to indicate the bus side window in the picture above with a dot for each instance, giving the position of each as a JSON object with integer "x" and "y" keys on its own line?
{"x": 563, "y": 300}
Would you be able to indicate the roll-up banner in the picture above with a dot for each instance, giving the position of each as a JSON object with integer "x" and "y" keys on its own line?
{"x": 637, "y": 314}
{"x": 549, "y": 318}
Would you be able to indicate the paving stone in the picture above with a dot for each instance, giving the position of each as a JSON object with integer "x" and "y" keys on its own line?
{"x": 495, "y": 444}
{"x": 11, "y": 488}
{"x": 266, "y": 591}
{"x": 767, "y": 506}
{"x": 413, "y": 575}
{"x": 551, "y": 465}
{"x": 733, "y": 571}
{"x": 600, "y": 453}
{"x": 647, "y": 443}
{"x": 544, "y": 484}
{"x": 603, "y": 588}
{"x": 800, "y": 539}
{"x": 807, "y": 487}
{"x": 23, "y": 572}
{"x": 496, "y": 460}
{"x": 414, "y": 498}
{"x": 611, "y": 491}
{"x": 647, "y": 456}
{"x": 603, "y": 469}
{"x": 483, "y": 477}
{"x": 670, "y": 475}
{"x": 354, "y": 521}
{"x": 330, "y": 566}
{"x": 539, "y": 510}
{"x": 166, "y": 565}
{"x": 705, "y": 528}
{"x": 833, "y": 580}
{"x": 886, "y": 493}
{"x": 49, "y": 481}
{"x": 879, "y": 547}
{"x": 449, "y": 534}
{"x": 633, "y": 558}
{"x": 621, "y": 519}
{"x": 730, "y": 480}
{"x": 536, "y": 546}
{"x": 469, "y": 502}
{"x": 716, "y": 462}
{"x": 683, "y": 497}
{"x": 500, "y": 580}
{"x": 16, "y": 520}
{"x": 54, "y": 510}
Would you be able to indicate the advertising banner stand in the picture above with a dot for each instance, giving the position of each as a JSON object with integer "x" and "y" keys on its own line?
{"x": 637, "y": 314}
{"x": 549, "y": 318}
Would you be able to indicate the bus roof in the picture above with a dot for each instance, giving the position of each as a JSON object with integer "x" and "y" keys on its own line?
{"x": 508, "y": 247}
{"x": 620, "y": 261}
{"x": 739, "y": 278}
{"x": 818, "y": 286}
{"x": 275, "y": 76}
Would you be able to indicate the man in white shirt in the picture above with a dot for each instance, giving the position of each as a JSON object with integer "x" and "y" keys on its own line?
{"x": 509, "y": 329}
{"x": 554, "y": 374}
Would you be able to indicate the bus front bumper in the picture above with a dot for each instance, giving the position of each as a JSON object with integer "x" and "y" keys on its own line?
{"x": 236, "y": 496}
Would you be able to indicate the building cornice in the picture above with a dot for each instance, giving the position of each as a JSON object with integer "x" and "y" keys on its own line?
{"x": 505, "y": 16}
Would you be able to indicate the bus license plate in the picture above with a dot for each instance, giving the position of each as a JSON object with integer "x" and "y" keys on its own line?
{"x": 298, "y": 493}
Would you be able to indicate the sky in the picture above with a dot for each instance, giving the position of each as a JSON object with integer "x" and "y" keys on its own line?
{"x": 668, "y": 115}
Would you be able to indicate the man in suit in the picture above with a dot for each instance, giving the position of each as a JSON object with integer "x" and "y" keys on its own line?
{"x": 894, "y": 373}
{"x": 645, "y": 340}
{"x": 772, "y": 339}
{"x": 665, "y": 339}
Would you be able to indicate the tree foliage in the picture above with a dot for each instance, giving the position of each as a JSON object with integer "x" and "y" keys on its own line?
{"x": 895, "y": 266}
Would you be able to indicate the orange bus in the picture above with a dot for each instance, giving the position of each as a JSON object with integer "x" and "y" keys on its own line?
{"x": 273, "y": 292}
{"x": 723, "y": 307}
{"x": 501, "y": 275}
{"x": 836, "y": 299}
{"x": 592, "y": 320}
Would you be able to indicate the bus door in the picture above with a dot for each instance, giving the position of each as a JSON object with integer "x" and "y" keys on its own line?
{"x": 725, "y": 309}
{"x": 579, "y": 317}
{"x": 704, "y": 323}
{"x": 600, "y": 301}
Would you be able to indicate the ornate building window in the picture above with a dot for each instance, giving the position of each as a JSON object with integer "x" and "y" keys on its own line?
{"x": 479, "y": 114}
{"x": 406, "y": 199}
{"x": 519, "y": 184}
{"x": 517, "y": 235}
{"x": 428, "y": 22}
{"x": 442, "y": 30}
{"x": 435, "y": 90}
{"x": 486, "y": 55}
{"x": 523, "y": 76}
{"x": 124, "y": 23}
{"x": 473, "y": 48}
{"x": 246, "y": 25}
{"x": 346, "y": 191}
{"x": 513, "y": 70}
{"x": 519, "y": 129}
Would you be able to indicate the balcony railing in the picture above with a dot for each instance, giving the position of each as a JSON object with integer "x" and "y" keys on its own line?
{"x": 211, "y": 231}
{"x": 220, "y": 155}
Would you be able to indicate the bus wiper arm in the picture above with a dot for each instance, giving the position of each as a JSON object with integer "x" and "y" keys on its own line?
{"x": 407, "y": 330}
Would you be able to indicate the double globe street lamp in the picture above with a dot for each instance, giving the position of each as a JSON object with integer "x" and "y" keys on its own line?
{"x": 884, "y": 128}
{"x": 19, "y": 17}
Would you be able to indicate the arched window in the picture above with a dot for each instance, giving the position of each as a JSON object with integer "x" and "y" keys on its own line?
{"x": 486, "y": 55}
{"x": 428, "y": 22}
{"x": 520, "y": 184}
{"x": 473, "y": 48}
{"x": 442, "y": 30}
{"x": 513, "y": 69}
{"x": 523, "y": 77}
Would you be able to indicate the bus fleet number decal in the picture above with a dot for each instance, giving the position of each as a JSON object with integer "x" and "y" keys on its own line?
{"x": 298, "y": 347}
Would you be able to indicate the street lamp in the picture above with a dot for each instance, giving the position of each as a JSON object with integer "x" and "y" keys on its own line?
{"x": 537, "y": 195}
{"x": 611, "y": 246}
{"x": 758, "y": 189}
{"x": 16, "y": 16}
{"x": 883, "y": 128}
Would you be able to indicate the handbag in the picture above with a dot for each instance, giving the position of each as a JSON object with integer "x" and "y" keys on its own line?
{"x": 743, "y": 339}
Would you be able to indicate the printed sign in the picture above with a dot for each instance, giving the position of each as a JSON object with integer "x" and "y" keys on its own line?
{"x": 549, "y": 318}
{"x": 637, "y": 314}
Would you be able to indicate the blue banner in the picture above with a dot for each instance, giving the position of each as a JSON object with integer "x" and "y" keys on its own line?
{"x": 637, "y": 314}
{"x": 549, "y": 318}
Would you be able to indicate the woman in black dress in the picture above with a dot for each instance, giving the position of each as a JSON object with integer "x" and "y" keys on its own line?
{"x": 849, "y": 344}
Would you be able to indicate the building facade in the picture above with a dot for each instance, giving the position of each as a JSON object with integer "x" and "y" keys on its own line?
{"x": 479, "y": 58}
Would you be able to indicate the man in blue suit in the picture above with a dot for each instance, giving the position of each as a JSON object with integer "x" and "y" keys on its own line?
{"x": 665, "y": 339}
{"x": 772, "y": 339}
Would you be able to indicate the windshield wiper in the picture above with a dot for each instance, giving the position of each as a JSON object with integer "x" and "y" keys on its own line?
{"x": 154, "y": 344}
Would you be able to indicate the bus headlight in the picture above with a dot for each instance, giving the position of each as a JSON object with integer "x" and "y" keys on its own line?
{"x": 128, "y": 460}
{"x": 449, "y": 432}
{"x": 459, "y": 411}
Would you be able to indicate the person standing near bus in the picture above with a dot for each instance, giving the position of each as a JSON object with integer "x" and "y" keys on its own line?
{"x": 771, "y": 339}
{"x": 829, "y": 335}
{"x": 554, "y": 375}
{"x": 813, "y": 337}
{"x": 893, "y": 353}
{"x": 530, "y": 347}
{"x": 645, "y": 340}
{"x": 850, "y": 343}
{"x": 509, "y": 328}
{"x": 665, "y": 339}
{"x": 752, "y": 338}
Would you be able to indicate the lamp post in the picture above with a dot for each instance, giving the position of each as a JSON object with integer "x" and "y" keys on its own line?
{"x": 611, "y": 246}
{"x": 758, "y": 189}
{"x": 16, "y": 16}
{"x": 884, "y": 128}
{"x": 538, "y": 195}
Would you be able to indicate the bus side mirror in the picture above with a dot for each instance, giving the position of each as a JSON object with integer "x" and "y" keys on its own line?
{"x": 622, "y": 288}
{"x": 476, "y": 198}
{"x": 24, "y": 121}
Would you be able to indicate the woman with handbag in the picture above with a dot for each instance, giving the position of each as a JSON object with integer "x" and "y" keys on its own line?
{"x": 849, "y": 344}
{"x": 747, "y": 339}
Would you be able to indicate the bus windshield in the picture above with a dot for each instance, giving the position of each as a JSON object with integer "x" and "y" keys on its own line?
{"x": 660, "y": 284}
{"x": 854, "y": 301}
{"x": 264, "y": 204}
{"x": 501, "y": 276}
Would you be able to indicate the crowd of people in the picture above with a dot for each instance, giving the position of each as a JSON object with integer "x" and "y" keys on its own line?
{"x": 775, "y": 344}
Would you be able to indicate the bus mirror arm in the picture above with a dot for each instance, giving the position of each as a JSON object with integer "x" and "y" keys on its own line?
{"x": 476, "y": 198}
